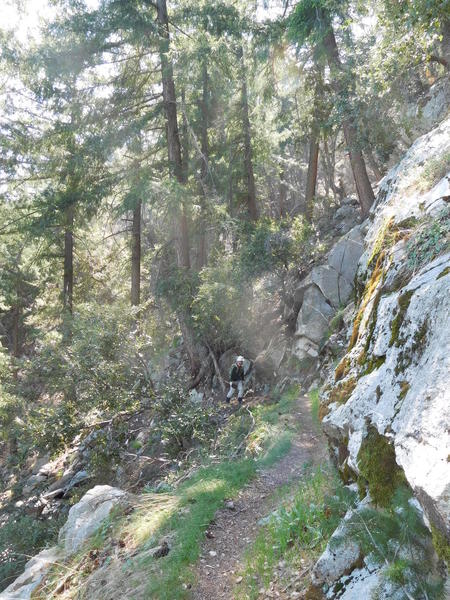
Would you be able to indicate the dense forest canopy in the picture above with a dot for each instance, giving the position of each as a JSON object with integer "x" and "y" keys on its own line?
{"x": 165, "y": 166}
{"x": 157, "y": 160}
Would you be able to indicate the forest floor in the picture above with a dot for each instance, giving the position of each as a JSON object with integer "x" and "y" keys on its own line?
{"x": 236, "y": 526}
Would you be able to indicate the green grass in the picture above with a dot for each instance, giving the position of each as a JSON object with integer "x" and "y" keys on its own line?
{"x": 298, "y": 531}
{"x": 315, "y": 405}
{"x": 196, "y": 501}
{"x": 183, "y": 510}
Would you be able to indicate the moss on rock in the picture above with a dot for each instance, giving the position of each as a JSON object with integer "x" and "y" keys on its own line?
{"x": 443, "y": 273}
{"x": 374, "y": 363}
{"x": 441, "y": 544}
{"x": 404, "y": 389}
{"x": 403, "y": 304}
{"x": 377, "y": 466}
{"x": 342, "y": 392}
{"x": 342, "y": 369}
{"x": 369, "y": 290}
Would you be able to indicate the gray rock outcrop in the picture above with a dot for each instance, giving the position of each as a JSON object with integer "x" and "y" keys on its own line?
{"x": 87, "y": 515}
{"x": 84, "y": 519}
{"x": 394, "y": 377}
{"x": 326, "y": 288}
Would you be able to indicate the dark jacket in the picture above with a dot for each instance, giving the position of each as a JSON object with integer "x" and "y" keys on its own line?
{"x": 238, "y": 373}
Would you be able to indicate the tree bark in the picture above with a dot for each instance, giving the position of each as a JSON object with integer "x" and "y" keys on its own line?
{"x": 176, "y": 167}
{"x": 282, "y": 196}
{"x": 136, "y": 255}
{"x": 184, "y": 137}
{"x": 204, "y": 148}
{"x": 311, "y": 178}
{"x": 363, "y": 186}
{"x": 68, "y": 260}
{"x": 173, "y": 135}
{"x": 248, "y": 159}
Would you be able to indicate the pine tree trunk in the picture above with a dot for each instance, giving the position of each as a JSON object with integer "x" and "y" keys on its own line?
{"x": 176, "y": 167}
{"x": 282, "y": 196}
{"x": 311, "y": 179}
{"x": 184, "y": 137}
{"x": 68, "y": 260}
{"x": 363, "y": 186}
{"x": 173, "y": 135}
{"x": 248, "y": 159}
{"x": 136, "y": 255}
{"x": 204, "y": 148}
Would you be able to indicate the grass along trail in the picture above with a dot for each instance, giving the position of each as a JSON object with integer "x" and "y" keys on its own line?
{"x": 236, "y": 526}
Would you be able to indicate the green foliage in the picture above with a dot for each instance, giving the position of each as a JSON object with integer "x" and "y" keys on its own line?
{"x": 104, "y": 370}
{"x": 311, "y": 20}
{"x": 397, "y": 538}
{"x": 301, "y": 527}
{"x": 377, "y": 465}
{"x": 433, "y": 171}
{"x": 20, "y": 539}
{"x": 428, "y": 241}
{"x": 273, "y": 246}
{"x": 184, "y": 422}
{"x": 220, "y": 310}
{"x": 10, "y": 405}
{"x": 441, "y": 544}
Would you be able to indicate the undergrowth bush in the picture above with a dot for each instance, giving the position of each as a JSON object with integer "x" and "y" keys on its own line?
{"x": 429, "y": 240}
{"x": 397, "y": 538}
{"x": 183, "y": 421}
{"x": 20, "y": 540}
{"x": 105, "y": 369}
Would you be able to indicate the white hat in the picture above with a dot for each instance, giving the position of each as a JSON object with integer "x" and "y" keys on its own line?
{"x": 240, "y": 359}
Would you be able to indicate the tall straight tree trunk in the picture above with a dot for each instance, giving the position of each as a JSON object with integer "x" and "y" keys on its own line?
{"x": 68, "y": 260}
{"x": 248, "y": 159}
{"x": 136, "y": 255}
{"x": 173, "y": 135}
{"x": 176, "y": 167}
{"x": 363, "y": 186}
{"x": 184, "y": 137}
{"x": 204, "y": 148}
{"x": 311, "y": 178}
{"x": 282, "y": 195}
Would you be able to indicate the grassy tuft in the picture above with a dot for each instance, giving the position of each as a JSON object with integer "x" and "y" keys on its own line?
{"x": 297, "y": 532}
{"x": 315, "y": 406}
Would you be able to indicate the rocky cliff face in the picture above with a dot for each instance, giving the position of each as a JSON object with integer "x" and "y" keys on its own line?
{"x": 387, "y": 404}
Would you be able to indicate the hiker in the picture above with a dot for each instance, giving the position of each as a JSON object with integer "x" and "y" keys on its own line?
{"x": 237, "y": 376}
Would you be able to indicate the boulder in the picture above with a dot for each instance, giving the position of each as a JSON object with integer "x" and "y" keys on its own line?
{"x": 344, "y": 255}
{"x": 314, "y": 316}
{"x": 269, "y": 360}
{"x": 407, "y": 396}
{"x": 87, "y": 515}
{"x": 334, "y": 286}
{"x": 35, "y": 570}
{"x": 304, "y": 348}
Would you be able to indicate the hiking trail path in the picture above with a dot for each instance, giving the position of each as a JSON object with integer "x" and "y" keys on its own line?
{"x": 235, "y": 528}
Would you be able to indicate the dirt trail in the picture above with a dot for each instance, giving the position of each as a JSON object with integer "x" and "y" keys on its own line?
{"x": 234, "y": 529}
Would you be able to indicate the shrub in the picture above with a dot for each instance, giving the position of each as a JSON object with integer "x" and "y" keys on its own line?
{"x": 428, "y": 241}
{"x": 103, "y": 370}
{"x": 397, "y": 537}
{"x": 20, "y": 539}
{"x": 183, "y": 422}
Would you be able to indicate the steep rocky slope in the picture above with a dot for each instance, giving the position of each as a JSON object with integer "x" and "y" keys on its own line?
{"x": 387, "y": 405}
